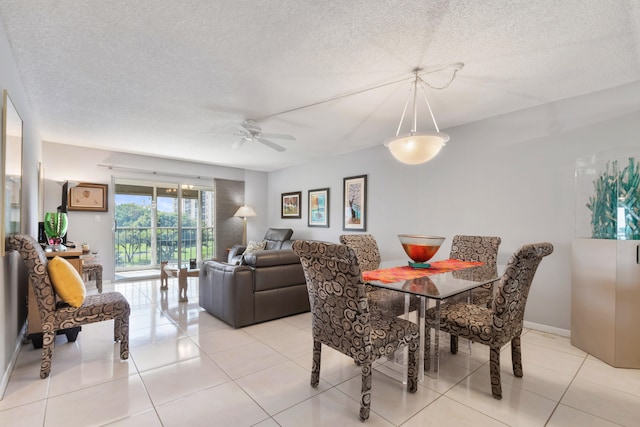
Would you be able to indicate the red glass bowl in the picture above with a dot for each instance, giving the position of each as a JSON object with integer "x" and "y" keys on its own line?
{"x": 420, "y": 248}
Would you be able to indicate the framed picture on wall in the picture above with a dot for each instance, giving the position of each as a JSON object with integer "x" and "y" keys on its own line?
{"x": 88, "y": 197}
{"x": 290, "y": 205}
{"x": 318, "y": 208}
{"x": 354, "y": 217}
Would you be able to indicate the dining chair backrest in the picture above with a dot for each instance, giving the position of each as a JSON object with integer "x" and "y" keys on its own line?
{"x": 338, "y": 300}
{"x": 36, "y": 262}
{"x": 365, "y": 248}
{"x": 475, "y": 248}
{"x": 513, "y": 289}
{"x": 367, "y": 253}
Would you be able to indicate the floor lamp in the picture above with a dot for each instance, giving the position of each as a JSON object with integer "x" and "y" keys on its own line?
{"x": 244, "y": 211}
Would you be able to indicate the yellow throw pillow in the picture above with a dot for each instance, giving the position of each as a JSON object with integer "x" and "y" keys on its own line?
{"x": 66, "y": 281}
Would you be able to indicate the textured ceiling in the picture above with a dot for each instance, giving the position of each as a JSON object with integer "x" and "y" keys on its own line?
{"x": 172, "y": 78}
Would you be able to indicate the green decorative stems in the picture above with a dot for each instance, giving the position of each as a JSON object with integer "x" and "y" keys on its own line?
{"x": 615, "y": 206}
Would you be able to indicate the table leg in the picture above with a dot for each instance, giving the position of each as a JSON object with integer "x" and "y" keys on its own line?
{"x": 164, "y": 277}
{"x": 433, "y": 356}
{"x": 421, "y": 326}
{"x": 182, "y": 285}
{"x": 436, "y": 345}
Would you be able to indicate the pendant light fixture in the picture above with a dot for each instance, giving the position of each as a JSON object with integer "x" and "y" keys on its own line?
{"x": 418, "y": 147}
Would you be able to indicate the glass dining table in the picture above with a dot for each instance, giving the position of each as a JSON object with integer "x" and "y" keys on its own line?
{"x": 443, "y": 280}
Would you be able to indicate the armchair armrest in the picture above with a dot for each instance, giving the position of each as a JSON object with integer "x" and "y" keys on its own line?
{"x": 226, "y": 291}
{"x": 235, "y": 254}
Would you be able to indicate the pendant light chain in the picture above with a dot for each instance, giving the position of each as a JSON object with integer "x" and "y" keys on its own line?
{"x": 424, "y": 92}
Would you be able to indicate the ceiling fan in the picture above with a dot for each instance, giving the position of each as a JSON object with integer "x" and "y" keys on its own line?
{"x": 250, "y": 131}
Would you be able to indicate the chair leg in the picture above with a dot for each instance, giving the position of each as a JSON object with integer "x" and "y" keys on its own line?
{"x": 48, "y": 341}
{"x": 315, "y": 368}
{"x": 427, "y": 348}
{"x": 494, "y": 367}
{"x": 412, "y": 376}
{"x": 365, "y": 395}
{"x": 123, "y": 333}
{"x": 454, "y": 343}
{"x": 117, "y": 327}
{"x": 516, "y": 357}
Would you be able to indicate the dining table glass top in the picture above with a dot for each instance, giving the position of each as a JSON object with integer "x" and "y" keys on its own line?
{"x": 437, "y": 285}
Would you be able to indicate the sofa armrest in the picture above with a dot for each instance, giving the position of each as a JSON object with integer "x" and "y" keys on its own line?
{"x": 270, "y": 258}
{"x": 226, "y": 291}
{"x": 235, "y": 254}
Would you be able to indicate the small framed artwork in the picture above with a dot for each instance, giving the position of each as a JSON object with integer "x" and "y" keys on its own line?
{"x": 319, "y": 208}
{"x": 355, "y": 203}
{"x": 88, "y": 197}
{"x": 290, "y": 207}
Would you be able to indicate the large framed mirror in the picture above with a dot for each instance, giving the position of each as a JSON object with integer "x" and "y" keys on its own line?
{"x": 11, "y": 170}
{"x": 40, "y": 192}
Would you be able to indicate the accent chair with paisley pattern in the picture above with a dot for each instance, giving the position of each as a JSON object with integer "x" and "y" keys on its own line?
{"x": 502, "y": 322}
{"x": 341, "y": 318}
{"x": 368, "y": 255}
{"x": 56, "y": 315}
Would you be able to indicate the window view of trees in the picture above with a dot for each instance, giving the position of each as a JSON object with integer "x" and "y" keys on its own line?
{"x": 148, "y": 233}
{"x": 130, "y": 245}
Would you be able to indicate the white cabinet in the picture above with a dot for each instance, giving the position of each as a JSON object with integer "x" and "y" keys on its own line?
{"x": 605, "y": 300}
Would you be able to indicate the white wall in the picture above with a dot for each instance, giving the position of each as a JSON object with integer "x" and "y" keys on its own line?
{"x": 12, "y": 314}
{"x": 65, "y": 162}
{"x": 510, "y": 176}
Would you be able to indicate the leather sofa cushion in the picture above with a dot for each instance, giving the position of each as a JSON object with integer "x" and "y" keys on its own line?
{"x": 270, "y": 258}
{"x": 278, "y": 277}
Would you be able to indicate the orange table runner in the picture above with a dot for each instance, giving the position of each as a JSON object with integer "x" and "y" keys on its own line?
{"x": 397, "y": 274}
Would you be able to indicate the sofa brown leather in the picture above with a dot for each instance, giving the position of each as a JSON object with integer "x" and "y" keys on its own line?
{"x": 269, "y": 284}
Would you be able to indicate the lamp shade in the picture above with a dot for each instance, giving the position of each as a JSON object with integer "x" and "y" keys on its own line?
{"x": 245, "y": 211}
{"x": 417, "y": 148}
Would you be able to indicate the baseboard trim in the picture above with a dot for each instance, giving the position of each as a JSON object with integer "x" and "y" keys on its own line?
{"x": 546, "y": 328}
{"x": 12, "y": 363}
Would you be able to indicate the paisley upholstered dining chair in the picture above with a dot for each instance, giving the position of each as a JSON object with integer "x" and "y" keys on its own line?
{"x": 57, "y": 315}
{"x": 368, "y": 254}
{"x": 341, "y": 318}
{"x": 502, "y": 322}
{"x": 477, "y": 248}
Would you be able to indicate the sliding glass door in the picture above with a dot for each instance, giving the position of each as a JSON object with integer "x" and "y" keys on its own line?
{"x": 158, "y": 222}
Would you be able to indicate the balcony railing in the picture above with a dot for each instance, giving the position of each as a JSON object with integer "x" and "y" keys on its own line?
{"x": 135, "y": 246}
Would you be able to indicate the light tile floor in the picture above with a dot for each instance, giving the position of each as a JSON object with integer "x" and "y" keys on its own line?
{"x": 188, "y": 368}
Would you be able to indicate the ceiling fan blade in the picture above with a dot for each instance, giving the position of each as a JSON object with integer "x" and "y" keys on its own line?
{"x": 279, "y": 136}
{"x": 271, "y": 144}
{"x": 227, "y": 129}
